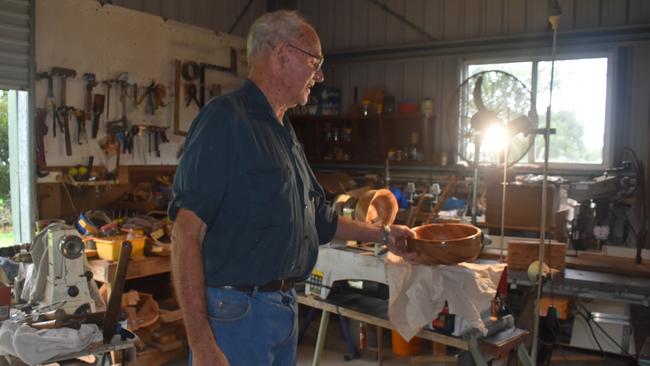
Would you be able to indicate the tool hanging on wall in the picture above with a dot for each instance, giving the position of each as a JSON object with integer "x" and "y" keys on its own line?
{"x": 41, "y": 132}
{"x": 155, "y": 95}
{"x": 98, "y": 109}
{"x": 50, "y": 103}
{"x": 190, "y": 95}
{"x": 91, "y": 83}
{"x": 109, "y": 85}
{"x": 81, "y": 126}
{"x": 205, "y": 66}
{"x": 64, "y": 113}
{"x": 63, "y": 109}
{"x": 190, "y": 71}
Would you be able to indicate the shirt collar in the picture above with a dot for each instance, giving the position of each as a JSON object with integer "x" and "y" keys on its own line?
{"x": 259, "y": 99}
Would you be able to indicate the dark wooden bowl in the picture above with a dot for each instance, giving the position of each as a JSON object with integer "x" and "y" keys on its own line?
{"x": 445, "y": 243}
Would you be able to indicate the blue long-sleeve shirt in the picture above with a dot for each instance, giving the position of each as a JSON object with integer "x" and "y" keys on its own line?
{"x": 246, "y": 176}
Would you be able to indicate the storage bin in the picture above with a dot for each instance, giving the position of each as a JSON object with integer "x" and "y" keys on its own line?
{"x": 109, "y": 247}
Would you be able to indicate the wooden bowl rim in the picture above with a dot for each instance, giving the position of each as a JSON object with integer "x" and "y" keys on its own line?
{"x": 469, "y": 237}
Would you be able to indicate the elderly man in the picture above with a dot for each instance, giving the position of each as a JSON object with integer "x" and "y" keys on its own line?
{"x": 249, "y": 213}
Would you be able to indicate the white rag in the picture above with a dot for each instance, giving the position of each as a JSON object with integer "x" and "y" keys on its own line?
{"x": 34, "y": 346}
{"x": 418, "y": 292}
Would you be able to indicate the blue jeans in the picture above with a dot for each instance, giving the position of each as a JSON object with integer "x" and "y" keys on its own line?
{"x": 255, "y": 328}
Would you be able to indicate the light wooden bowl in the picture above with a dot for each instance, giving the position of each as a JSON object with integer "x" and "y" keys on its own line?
{"x": 445, "y": 243}
{"x": 376, "y": 206}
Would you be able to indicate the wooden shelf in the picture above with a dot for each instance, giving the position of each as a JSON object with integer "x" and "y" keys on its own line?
{"x": 370, "y": 137}
{"x": 84, "y": 183}
{"x": 104, "y": 270}
{"x": 392, "y": 117}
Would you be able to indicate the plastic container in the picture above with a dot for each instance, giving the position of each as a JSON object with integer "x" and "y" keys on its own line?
{"x": 404, "y": 348}
{"x": 109, "y": 247}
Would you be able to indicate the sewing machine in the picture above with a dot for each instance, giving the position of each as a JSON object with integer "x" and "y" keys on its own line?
{"x": 67, "y": 280}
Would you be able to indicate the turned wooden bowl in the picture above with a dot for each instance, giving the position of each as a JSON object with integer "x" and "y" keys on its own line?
{"x": 445, "y": 243}
{"x": 376, "y": 206}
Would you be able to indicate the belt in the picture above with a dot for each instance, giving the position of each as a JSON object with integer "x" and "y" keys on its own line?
{"x": 271, "y": 286}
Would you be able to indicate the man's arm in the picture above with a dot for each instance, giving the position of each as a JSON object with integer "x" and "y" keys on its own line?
{"x": 349, "y": 229}
{"x": 189, "y": 283}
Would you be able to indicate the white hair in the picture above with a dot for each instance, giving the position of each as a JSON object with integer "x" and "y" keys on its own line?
{"x": 273, "y": 28}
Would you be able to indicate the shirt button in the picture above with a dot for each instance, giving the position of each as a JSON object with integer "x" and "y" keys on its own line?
{"x": 306, "y": 206}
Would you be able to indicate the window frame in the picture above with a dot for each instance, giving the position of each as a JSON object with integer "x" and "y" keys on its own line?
{"x": 534, "y": 59}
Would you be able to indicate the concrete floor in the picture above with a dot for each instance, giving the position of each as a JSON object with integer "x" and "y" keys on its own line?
{"x": 335, "y": 350}
{"x": 562, "y": 357}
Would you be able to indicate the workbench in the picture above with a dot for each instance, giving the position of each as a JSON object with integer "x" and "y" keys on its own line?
{"x": 140, "y": 268}
{"x": 593, "y": 285}
{"x": 374, "y": 311}
{"x": 104, "y": 270}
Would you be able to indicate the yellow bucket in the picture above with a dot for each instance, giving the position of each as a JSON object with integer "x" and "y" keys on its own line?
{"x": 109, "y": 247}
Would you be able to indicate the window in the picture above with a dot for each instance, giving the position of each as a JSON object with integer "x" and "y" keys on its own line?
{"x": 579, "y": 107}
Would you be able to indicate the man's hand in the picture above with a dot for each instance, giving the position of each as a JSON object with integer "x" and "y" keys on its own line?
{"x": 397, "y": 241}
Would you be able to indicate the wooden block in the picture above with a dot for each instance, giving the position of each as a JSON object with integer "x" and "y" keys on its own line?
{"x": 164, "y": 338}
{"x": 521, "y": 253}
{"x": 130, "y": 298}
{"x": 166, "y": 347}
{"x": 523, "y": 206}
{"x": 169, "y": 316}
{"x": 154, "y": 357}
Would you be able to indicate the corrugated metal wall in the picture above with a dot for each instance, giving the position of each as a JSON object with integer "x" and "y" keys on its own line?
{"x": 359, "y": 24}
{"x": 215, "y": 15}
{"x": 349, "y": 24}
{"x": 15, "y": 44}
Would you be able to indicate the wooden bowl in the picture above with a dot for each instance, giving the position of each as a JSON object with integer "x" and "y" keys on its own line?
{"x": 376, "y": 206}
{"x": 445, "y": 243}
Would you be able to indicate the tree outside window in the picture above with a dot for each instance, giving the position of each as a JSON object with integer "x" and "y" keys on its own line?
{"x": 6, "y": 233}
{"x": 578, "y": 108}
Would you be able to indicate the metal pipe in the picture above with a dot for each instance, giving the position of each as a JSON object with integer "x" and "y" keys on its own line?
{"x": 477, "y": 151}
{"x": 241, "y": 15}
{"x": 574, "y": 40}
{"x": 503, "y": 194}
{"x": 542, "y": 229}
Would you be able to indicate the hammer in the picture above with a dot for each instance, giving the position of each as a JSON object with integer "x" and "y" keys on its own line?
{"x": 89, "y": 78}
{"x": 64, "y": 74}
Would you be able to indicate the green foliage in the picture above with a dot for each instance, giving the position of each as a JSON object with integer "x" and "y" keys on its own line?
{"x": 4, "y": 148}
{"x": 567, "y": 145}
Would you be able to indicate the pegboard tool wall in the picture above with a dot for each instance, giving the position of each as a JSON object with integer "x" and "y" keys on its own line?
{"x": 109, "y": 40}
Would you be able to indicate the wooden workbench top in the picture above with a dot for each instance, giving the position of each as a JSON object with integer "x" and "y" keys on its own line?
{"x": 104, "y": 270}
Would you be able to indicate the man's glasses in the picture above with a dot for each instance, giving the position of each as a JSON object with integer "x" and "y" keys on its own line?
{"x": 320, "y": 59}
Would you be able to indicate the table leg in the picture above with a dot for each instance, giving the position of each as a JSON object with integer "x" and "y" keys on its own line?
{"x": 479, "y": 360}
{"x": 524, "y": 357}
{"x": 380, "y": 356}
{"x": 320, "y": 340}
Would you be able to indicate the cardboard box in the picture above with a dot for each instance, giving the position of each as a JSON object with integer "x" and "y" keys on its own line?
{"x": 523, "y": 206}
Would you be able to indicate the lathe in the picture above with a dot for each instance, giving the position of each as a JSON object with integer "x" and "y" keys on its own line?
{"x": 67, "y": 280}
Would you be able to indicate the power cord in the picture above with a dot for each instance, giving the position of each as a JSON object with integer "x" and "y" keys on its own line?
{"x": 589, "y": 317}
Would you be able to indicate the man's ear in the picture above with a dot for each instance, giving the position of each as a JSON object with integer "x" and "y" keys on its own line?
{"x": 279, "y": 54}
